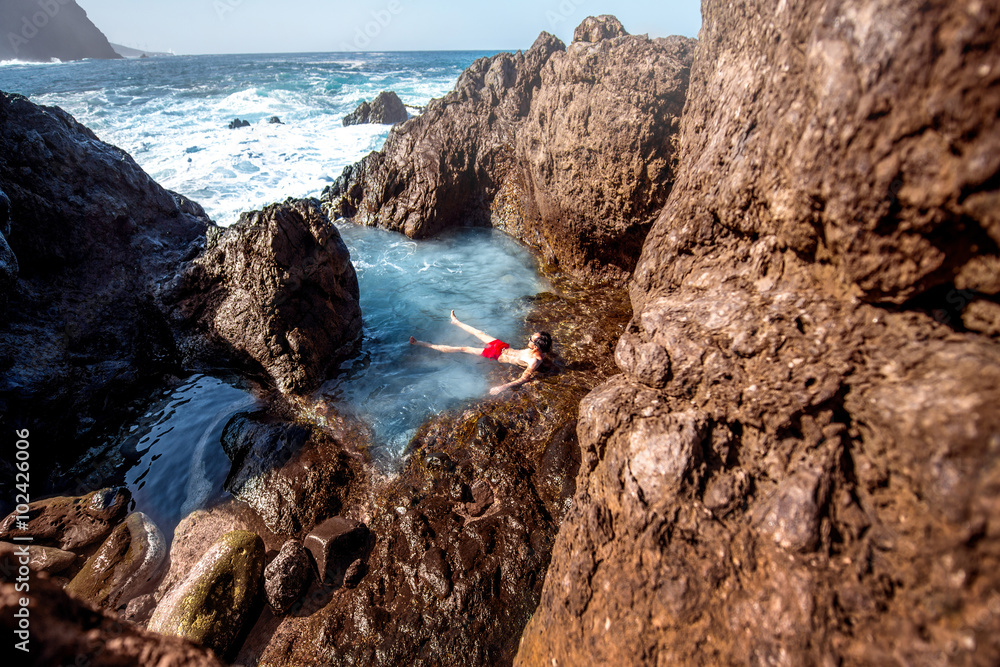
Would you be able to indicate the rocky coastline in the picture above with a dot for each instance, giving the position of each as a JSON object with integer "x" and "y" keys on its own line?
{"x": 771, "y": 437}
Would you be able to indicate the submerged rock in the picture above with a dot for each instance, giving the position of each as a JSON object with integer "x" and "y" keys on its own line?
{"x": 127, "y": 565}
{"x": 70, "y": 523}
{"x": 214, "y": 604}
{"x": 275, "y": 294}
{"x": 386, "y": 109}
{"x": 568, "y": 150}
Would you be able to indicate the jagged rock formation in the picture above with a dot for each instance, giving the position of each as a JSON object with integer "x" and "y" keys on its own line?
{"x": 798, "y": 463}
{"x": 276, "y": 292}
{"x": 43, "y": 30}
{"x": 81, "y": 337}
{"x": 386, "y": 109}
{"x": 567, "y": 150}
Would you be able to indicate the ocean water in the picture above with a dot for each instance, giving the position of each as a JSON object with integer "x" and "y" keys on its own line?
{"x": 172, "y": 114}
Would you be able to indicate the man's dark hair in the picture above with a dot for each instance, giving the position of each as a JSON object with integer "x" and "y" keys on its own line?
{"x": 544, "y": 341}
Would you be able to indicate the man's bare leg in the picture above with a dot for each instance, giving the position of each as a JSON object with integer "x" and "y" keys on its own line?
{"x": 447, "y": 348}
{"x": 481, "y": 335}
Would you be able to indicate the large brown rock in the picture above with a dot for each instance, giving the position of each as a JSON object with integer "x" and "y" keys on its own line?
{"x": 785, "y": 474}
{"x": 567, "y": 150}
{"x": 386, "y": 109}
{"x": 65, "y": 631}
{"x": 69, "y": 523}
{"x": 82, "y": 337}
{"x": 275, "y": 294}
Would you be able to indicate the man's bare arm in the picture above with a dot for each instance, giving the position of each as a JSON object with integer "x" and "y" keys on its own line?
{"x": 526, "y": 376}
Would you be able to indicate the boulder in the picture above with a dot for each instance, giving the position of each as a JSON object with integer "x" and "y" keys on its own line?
{"x": 70, "y": 523}
{"x": 286, "y": 577}
{"x": 128, "y": 564}
{"x": 386, "y": 109}
{"x": 274, "y": 294}
{"x": 40, "y": 559}
{"x": 62, "y": 32}
{"x": 66, "y": 631}
{"x": 274, "y": 120}
{"x": 82, "y": 337}
{"x": 215, "y": 603}
{"x": 336, "y": 542}
{"x": 795, "y": 464}
{"x": 236, "y": 124}
{"x": 568, "y": 150}
{"x": 291, "y": 476}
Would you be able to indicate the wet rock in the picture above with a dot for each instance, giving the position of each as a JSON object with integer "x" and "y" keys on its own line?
{"x": 70, "y": 523}
{"x": 335, "y": 540}
{"x": 386, "y": 109}
{"x": 598, "y": 28}
{"x": 274, "y": 120}
{"x": 528, "y": 142}
{"x": 286, "y": 577}
{"x": 66, "y": 631}
{"x": 214, "y": 604}
{"x": 275, "y": 293}
{"x": 40, "y": 559}
{"x": 290, "y": 475}
{"x": 128, "y": 564}
{"x": 482, "y": 498}
{"x": 355, "y": 572}
{"x": 236, "y": 124}
{"x": 435, "y": 572}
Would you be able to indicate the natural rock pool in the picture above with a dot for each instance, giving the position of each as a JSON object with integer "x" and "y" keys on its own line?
{"x": 407, "y": 288}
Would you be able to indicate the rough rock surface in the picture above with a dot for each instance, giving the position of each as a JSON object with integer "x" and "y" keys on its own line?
{"x": 798, "y": 464}
{"x": 286, "y": 577}
{"x": 8, "y": 261}
{"x": 40, "y": 559}
{"x": 128, "y": 564}
{"x": 275, "y": 292}
{"x": 65, "y": 631}
{"x": 81, "y": 337}
{"x": 217, "y": 600}
{"x": 335, "y": 544}
{"x": 41, "y": 31}
{"x": 386, "y": 109}
{"x": 70, "y": 523}
{"x": 568, "y": 150}
{"x": 293, "y": 476}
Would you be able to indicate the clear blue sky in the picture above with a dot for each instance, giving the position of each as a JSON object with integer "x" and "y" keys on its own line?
{"x": 273, "y": 26}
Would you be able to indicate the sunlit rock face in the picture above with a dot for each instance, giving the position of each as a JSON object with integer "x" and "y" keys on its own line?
{"x": 798, "y": 463}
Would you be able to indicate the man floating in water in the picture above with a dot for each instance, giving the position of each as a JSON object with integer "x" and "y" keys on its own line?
{"x": 531, "y": 358}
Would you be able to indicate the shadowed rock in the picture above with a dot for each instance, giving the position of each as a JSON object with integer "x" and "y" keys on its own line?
{"x": 70, "y": 523}
{"x": 65, "y": 631}
{"x": 335, "y": 540}
{"x": 40, "y": 559}
{"x": 275, "y": 294}
{"x": 214, "y": 603}
{"x": 568, "y": 150}
{"x": 127, "y": 565}
{"x": 286, "y": 577}
{"x": 386, "y": 109}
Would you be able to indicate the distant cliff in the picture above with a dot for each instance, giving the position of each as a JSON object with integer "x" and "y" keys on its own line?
{"x": 45, "y": 29}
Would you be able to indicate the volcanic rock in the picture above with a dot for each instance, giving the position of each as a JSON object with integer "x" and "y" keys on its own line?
{"x": 386, "y": 109}
{"x": 291, "y": 475}
{"x": 70, "y": 523}
{"x": 40, "y": 559}
{"x": 275, "y": 293}
{"x": 823, "y": 426}
{"x": 568, "y": 150}
{"x": 335, "y": 540}
{"x": 286, "y": 577}
{"x": 42, "y": 32}
{"x": 8, "y": 262}
{"x": 82, "y": 337}
{"x": 236, "y": 124}
{"x": 127, "y": 565}
{"x": 66, "y": 631}
{"x": 213, "y": 605}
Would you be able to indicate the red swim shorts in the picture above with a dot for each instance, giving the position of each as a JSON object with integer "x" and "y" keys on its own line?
{"x": 494, "y": 348}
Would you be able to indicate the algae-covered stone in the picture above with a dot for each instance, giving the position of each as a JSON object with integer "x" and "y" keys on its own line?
{"x": 70, "y": 522}
{"x": 213, "y": 604}
{"x": 128, "y": 564}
